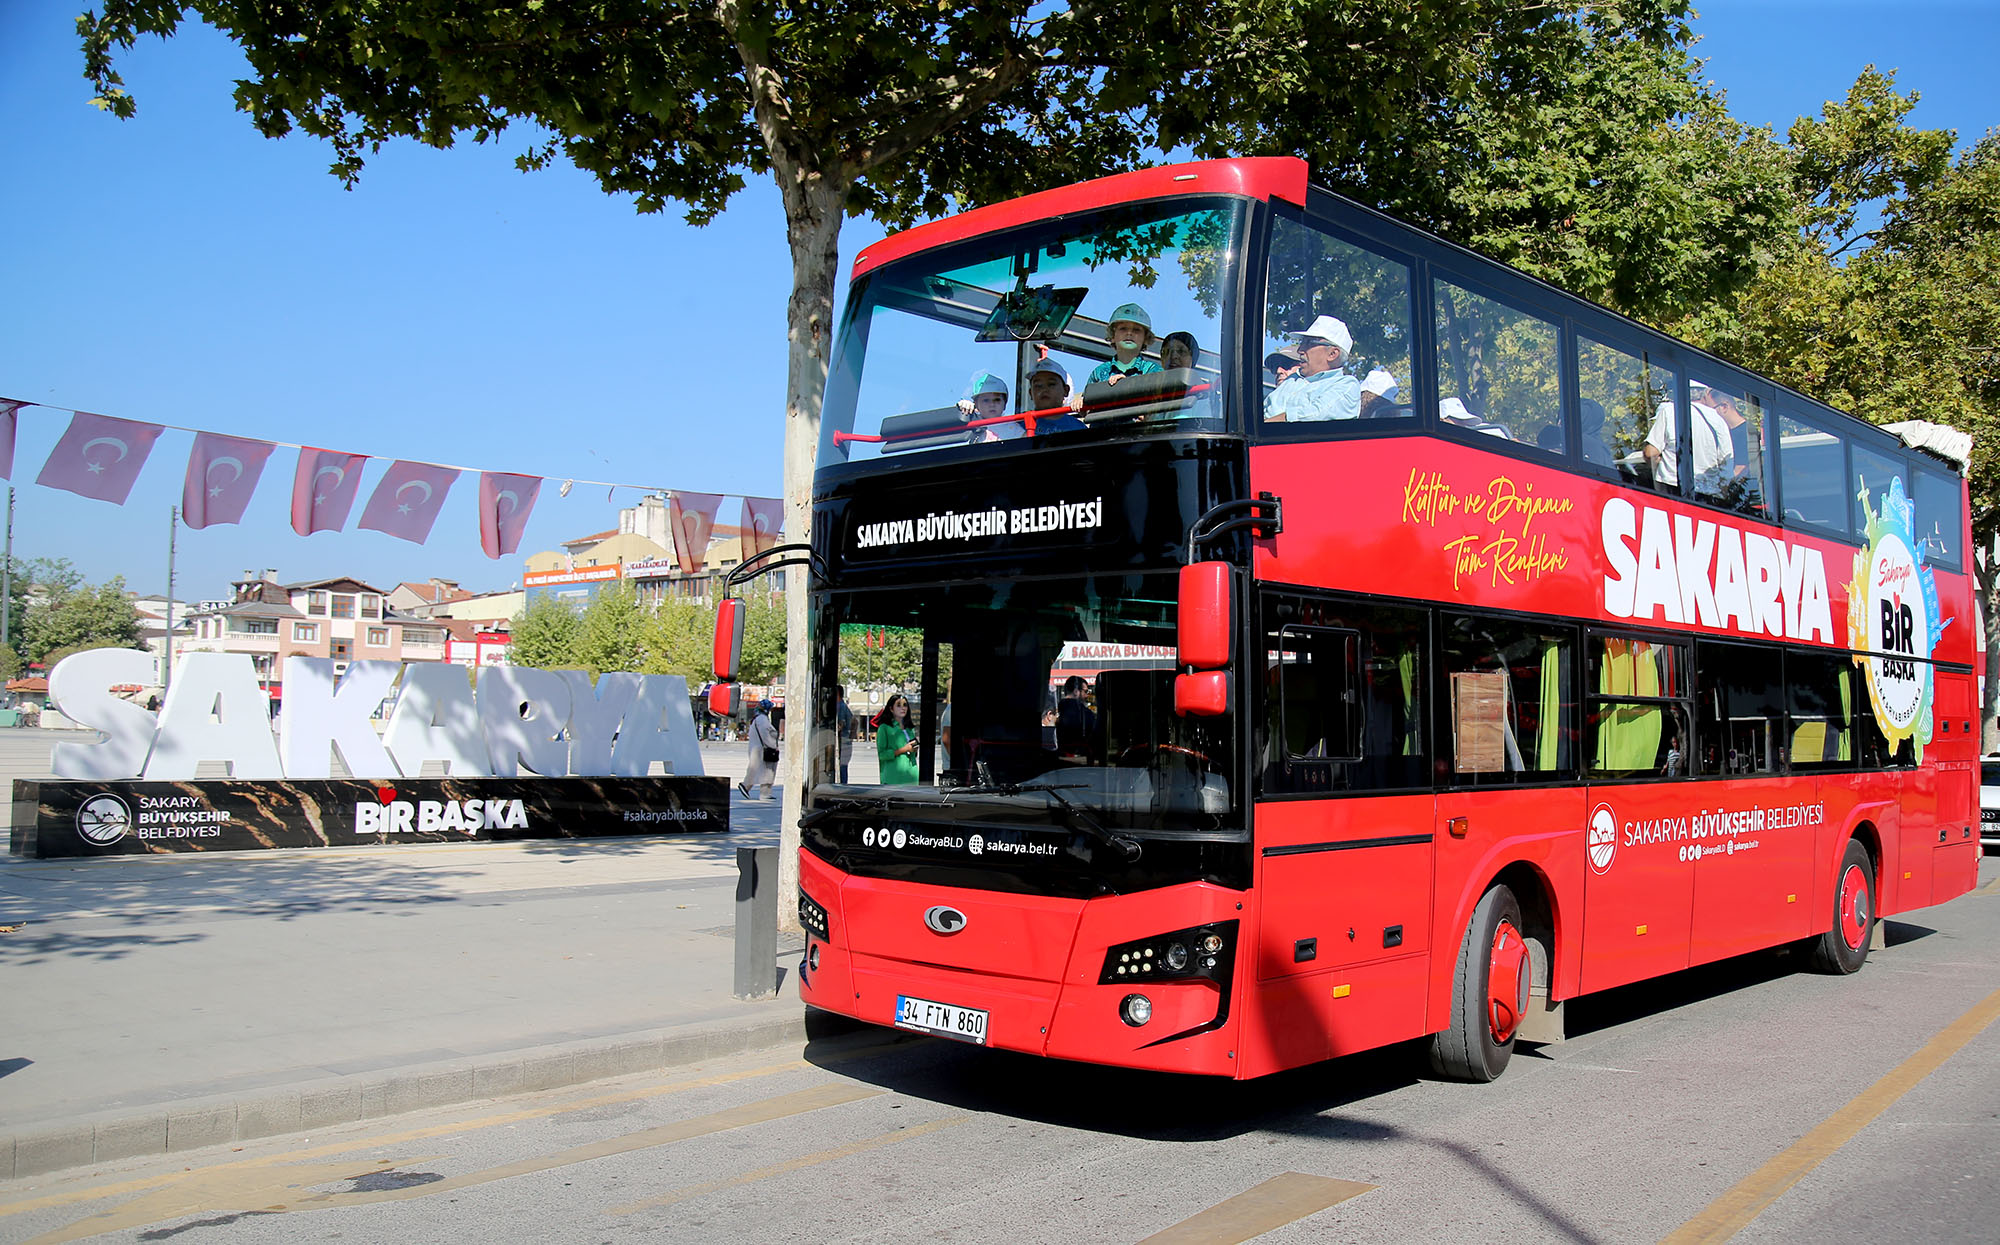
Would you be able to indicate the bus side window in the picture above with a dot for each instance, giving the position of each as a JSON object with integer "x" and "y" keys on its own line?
{"x": 1509, "y": 701}
{"x": 1741, "y": 708}
{"x": 1619, "y": 395}
{"x": 1498, "y": 370}
{"x": 1342, "y": 700}
{"x": 1819, "y": 699}
{"x": 1638, "y": 719}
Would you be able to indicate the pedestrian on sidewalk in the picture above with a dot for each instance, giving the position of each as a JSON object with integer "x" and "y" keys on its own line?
{"x": 843, "y": 728}
{"x": 763, "y": 753}
{"x": 896, "y": 741}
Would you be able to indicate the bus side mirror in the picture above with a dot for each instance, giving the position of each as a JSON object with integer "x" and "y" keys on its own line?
{"x": 1206, "y": 615}
{"x": 728, "y": 638}
{"x": 725, "y": 699}
{"x": 1203, "y": 694}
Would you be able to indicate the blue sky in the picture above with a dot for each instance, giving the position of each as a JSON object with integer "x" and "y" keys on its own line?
{"x": 178, "y": 268}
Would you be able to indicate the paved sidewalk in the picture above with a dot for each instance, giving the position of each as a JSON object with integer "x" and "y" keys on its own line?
{"x": 167, "y": 1002}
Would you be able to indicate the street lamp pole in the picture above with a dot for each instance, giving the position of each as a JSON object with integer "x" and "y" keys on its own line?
{"x": 167, "y": 654}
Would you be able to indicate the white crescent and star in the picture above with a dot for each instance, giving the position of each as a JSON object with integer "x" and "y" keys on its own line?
{"x": 508, "y": 496}
{"x": 92, "y": 465}
{"x": 404, "y": 507}
{"x": 339, "y": 475}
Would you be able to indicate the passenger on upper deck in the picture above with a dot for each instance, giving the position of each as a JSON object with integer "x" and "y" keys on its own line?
{"x": 986, "y": 398}
{"x": 1321, "y": 388}
{"x": 1180, "y": 350}
{"x": 1379, "y": 391}
{"x": 1048, "y": 390}
{"x": 1712, "y": 459}
{"x": 1454, "y": 412}
{"x": 1129, "y": 333}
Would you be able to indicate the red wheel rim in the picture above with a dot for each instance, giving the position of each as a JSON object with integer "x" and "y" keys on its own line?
{"x": 1506, "y": 982}
{"x": 1854, "y": 906}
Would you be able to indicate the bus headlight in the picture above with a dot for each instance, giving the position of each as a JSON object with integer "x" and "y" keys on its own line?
{"x": 1203, "y": 952}
{"x": 1136, "y": 1010}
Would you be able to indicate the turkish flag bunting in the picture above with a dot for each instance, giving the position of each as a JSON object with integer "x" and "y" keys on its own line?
{"x": 323, "y": 489}
{"x": 763, "y": 524}
{"x": 8, "y": 407}
{"x": 222, "y": 473}
{"x": 694, "y": 524}
{"x": 406, "y": 503}
{"x": 504, "y": 503}
{"x": 99, "y": 457}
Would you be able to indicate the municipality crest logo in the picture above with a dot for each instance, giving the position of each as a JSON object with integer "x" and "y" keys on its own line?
{"x": 103, "y": 819}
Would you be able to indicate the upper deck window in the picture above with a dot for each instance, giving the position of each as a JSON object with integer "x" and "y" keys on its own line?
{"x": 1096, "y": 323}
{"x": 1620, "y": 394}
{"x": 1499, "y": 369}
{"x": 1337, "y": 332}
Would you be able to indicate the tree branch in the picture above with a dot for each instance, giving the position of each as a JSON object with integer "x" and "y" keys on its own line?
{"x": 770, "y": 106}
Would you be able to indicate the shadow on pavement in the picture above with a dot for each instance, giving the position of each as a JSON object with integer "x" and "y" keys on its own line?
{"x": 1153, "y": 1106}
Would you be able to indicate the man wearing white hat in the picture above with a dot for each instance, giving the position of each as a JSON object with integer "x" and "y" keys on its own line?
{"x": 1713, "y": 455}
{"x": 1322, "y": 388}
{"x": 1379, "y": 391}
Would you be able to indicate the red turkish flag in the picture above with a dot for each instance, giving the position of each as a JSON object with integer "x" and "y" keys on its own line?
{"x": 763, "y": 524}
{"x": 323, "y": 489}
{"x": 406, "y": 503}
{"x": 222, "y": 473}
{"x": 694, "y": 524}
{"x": 504, "y": 503}
{"x": 99, "y": 457}
{"x": 8, "y": 407}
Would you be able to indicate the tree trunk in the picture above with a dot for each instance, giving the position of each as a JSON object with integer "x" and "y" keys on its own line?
{"x": 813, "y": 215}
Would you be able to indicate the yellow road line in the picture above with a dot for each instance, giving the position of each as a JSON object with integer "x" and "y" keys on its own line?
{"x": 278, "y": 1190}
{"x": 1734, "y": 1210}
{"x": 873, "y": 1045}
{"x": 1273, "y": 1204}
{"x": 791, "y": 1165}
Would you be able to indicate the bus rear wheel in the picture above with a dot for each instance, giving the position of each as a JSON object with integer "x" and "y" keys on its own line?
{"x": 1489, "y": 992}
{"x": 1844, "y": 948}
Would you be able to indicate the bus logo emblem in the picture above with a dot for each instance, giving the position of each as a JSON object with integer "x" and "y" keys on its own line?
{"x": 943, "y": 920}
{"x": 1602, "y": 842}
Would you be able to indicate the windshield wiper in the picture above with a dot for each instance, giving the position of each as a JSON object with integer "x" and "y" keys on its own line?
{"x": 843, "y": 804}
{"x": 1075, "y": 816}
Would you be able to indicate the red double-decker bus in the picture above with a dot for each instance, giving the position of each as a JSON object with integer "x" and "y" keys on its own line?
{"x": 1315, "y": 636}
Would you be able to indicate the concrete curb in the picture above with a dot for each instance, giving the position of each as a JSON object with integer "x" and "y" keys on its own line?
{"x": 193, "y": 1123}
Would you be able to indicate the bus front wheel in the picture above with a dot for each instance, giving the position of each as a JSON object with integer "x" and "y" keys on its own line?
{"x": 1489, "y": 992}
{"x": 1844, "y": 948}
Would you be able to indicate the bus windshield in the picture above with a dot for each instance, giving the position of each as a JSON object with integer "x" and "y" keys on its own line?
{"x": 1103, "y": 321}
{"x": 1030, "y": 694}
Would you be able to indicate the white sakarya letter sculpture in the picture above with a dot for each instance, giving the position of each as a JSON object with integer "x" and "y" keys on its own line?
{"x": 80, "y": 687}
{"x": 594, "y": 716}
{"x": 658, "y": 727}
{"x": 524, "y": 712}
{"x": 321, "y": 715}
{"x": 215, "y": 712}
{"x": 435, "y": 720}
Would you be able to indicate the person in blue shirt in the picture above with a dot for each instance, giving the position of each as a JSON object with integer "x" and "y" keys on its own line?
{"x": 1322, "y": 388}
{"x": 1048, "y": 390}
{"x": 1130, "y": 332}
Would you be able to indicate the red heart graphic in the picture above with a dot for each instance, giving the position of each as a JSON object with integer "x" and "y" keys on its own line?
{"x": 385, "y": 794}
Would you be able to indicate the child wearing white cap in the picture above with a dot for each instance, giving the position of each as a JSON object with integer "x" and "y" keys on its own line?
{"x": 986, "y": 398}
{"x": 1129, "y": 331}
{"x": 1048, "y": 390}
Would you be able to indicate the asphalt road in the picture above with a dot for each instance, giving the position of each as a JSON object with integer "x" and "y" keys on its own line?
{"x": 1746, "y": 1097}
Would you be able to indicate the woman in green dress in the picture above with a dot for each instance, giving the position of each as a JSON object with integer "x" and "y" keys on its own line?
{"x": 896, "y": 742}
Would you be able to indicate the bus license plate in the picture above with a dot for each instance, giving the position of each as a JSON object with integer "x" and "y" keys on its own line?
{"x": 961, "y": 1024}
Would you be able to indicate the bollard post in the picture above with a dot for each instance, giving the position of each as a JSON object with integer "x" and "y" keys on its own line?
{"x": 756, "y": 922}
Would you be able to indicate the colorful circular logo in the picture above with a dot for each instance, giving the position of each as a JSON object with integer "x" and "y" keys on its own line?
{"x": 1601, "y": 840}
{"x": 1893, "y": 620}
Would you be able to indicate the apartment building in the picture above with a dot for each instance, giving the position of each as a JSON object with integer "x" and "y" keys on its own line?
{"x": 342, "y": 619}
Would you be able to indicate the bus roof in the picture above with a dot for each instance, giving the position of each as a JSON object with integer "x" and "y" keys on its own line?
{"x": 1257, "y": 177}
